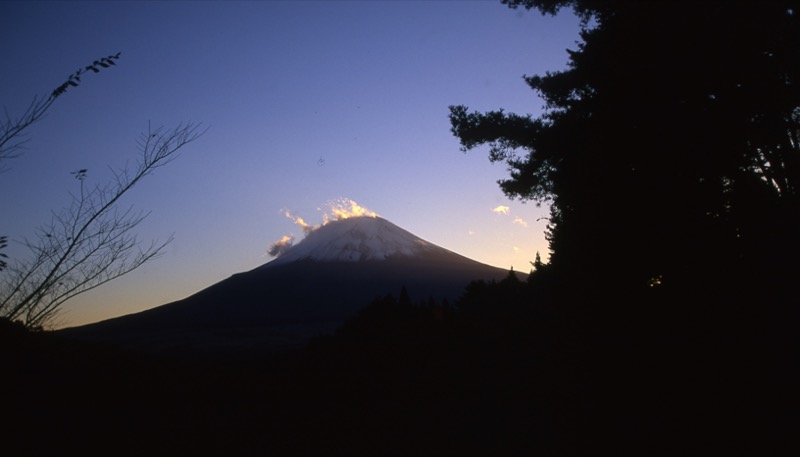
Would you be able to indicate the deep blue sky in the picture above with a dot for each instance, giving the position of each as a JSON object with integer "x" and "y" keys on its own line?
{"x": 306, "y": 102}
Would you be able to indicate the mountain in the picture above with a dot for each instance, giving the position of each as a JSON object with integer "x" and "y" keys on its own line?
{"x": 311, "y": 289}
{"x": 357, "y": 239}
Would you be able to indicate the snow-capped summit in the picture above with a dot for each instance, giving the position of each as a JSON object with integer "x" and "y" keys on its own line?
{"x": 355, "y": 239}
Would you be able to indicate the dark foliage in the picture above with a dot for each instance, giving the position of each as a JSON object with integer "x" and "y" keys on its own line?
{"x": 410, "y": 378}
{"x": 671, "y": 138}
{"x": 669, "y": 153}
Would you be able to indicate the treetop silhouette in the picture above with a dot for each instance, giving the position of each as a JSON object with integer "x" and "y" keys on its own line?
{"x": 669, "y": 147}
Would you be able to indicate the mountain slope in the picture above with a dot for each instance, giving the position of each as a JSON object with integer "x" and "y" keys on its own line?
{"x": 311, "y": 289}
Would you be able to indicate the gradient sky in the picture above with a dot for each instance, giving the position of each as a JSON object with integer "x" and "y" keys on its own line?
{"x": 306, "y": 103}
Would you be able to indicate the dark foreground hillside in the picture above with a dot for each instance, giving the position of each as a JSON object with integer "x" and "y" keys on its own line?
{"x": 398, "y": 380}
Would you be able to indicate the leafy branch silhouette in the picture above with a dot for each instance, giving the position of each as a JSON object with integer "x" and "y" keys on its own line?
{"x": 75, "y": 79}
{"x": 12, "y": 130}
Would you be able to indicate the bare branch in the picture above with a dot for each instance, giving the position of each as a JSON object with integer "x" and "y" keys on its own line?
{"x": 91, "y": 241}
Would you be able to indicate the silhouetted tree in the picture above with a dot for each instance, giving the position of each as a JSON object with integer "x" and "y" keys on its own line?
{"x": 537, "y": 263}
{"x": 405, "y": 299}
{"x": 509, "y": 298}
{"x": 511, "y": 278}
{"x": 90, "y": 242}
{"x": 669, "y": 149}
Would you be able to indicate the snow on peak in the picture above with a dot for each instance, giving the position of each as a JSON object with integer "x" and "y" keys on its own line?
{"x": 354, "y": 239}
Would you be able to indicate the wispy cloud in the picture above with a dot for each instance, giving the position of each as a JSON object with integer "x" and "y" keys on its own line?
{"x": 277, "y": 248}
{"x": 520, "y": 221}
{"x": 305, "y": 226}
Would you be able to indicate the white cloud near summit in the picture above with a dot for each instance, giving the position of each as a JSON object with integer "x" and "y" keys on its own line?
{"x": 282, "y": 245}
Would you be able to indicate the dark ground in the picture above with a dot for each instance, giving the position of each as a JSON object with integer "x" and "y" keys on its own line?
{"x": 402, "y": 381}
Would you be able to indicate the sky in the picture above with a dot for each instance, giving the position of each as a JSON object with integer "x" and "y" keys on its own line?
{"x": 308, "y": 104}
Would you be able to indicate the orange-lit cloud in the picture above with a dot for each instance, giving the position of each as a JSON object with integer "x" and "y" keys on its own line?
{"x": 520, "y": 221}
{"x": 344, "y": 208}
{"x": 501, "y": 209}
{"x": 279, "y": 247}
{"x": 307, "y": 228}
